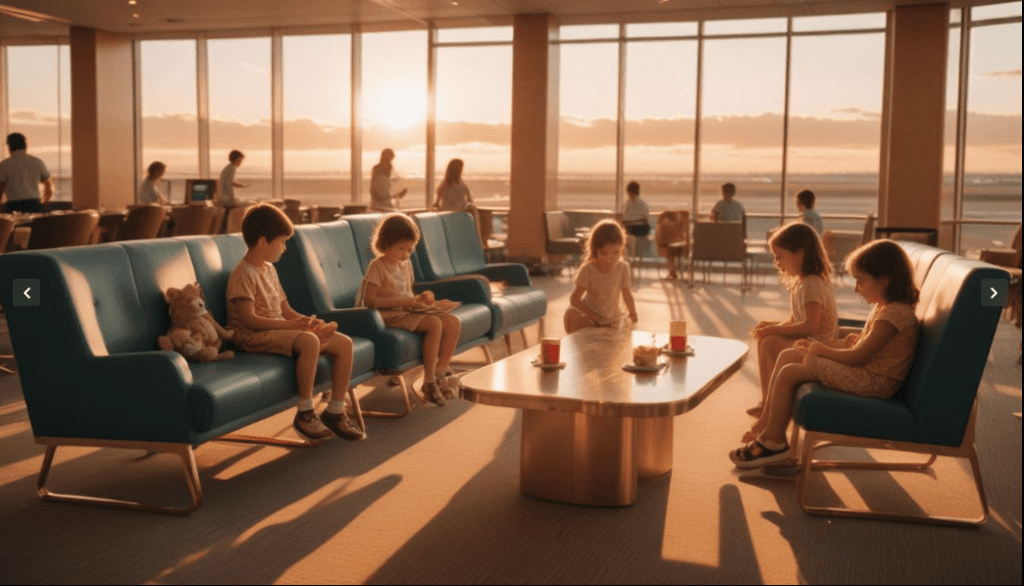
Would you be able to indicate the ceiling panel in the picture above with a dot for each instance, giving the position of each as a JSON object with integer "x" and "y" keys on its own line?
{"x": 157, "y": 16}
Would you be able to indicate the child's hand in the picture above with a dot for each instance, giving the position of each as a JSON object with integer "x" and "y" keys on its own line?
{"x": 802, "y": 345}
{"x": 426, "y": 298}
{"x": 816, "y": 349}
{"x": 759, "y": 330}
{"x": 850, "y": 340}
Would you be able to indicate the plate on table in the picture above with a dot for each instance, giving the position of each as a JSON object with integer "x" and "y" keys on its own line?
{"x": 540, "y": 364}
{"x": 668, "y": 351}
{"x": 630, "y": 367}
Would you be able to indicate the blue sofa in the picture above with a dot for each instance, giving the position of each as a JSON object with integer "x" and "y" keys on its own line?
{"x": 90, "y": 370}
{"x": 321, "y": 271}
{"x": 934, "y": 411}
{"x": 450, "y": 248}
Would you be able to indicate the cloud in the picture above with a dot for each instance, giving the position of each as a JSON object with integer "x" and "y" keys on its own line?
{"x": 178, "y": 131}
{"x": 858, "y": 112}
{"x": 1004, "y": 73}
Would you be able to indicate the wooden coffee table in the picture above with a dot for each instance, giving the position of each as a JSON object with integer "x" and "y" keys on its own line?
{"x": 591, "y": 430}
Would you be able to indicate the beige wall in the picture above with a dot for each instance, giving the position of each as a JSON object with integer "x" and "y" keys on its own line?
{"x": 102, "y": 119}
{"x": 911, "y": 193}
{"x": 534, "y": 173}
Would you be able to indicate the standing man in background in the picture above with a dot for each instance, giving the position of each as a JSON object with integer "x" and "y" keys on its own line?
{"x": 20, "y": 176}
{"x": 227, "y": 180}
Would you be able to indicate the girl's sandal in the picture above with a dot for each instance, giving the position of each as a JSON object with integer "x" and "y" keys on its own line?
{"x": 756, "y": 455}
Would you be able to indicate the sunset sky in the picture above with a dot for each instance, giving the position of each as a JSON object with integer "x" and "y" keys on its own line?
{"x": 834, "y": 124}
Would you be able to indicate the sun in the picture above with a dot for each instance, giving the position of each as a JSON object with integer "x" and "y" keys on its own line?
{"x": 399, "y": 108}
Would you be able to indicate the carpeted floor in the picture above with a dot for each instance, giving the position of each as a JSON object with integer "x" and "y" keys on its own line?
{"x": 433, "y": 497}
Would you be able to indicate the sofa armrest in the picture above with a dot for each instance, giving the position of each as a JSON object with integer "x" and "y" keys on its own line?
{"x": 138, "y": 396}
{"x": 464, "y": 288}
{"x": 357, "y": 321}
{"x": 515, "y": 274}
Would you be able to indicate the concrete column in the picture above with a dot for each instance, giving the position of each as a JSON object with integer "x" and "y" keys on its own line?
{"x": 534, "y": 181}
{"x": 102, "y": 119}
{"x": 912, "y": 135}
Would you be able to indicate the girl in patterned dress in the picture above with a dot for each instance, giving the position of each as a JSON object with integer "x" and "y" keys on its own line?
{"x": 804, "y": 270}
{"x": 387, "y": 287}
{"x": 869, "y": 363}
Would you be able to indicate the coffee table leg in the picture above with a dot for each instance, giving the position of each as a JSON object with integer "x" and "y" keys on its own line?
{"x": 652, "y": 437}
{"x": 589, "y": 459}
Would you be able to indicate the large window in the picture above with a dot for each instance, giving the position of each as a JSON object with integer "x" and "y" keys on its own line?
{"x": 39, "y": 106}
{"x": 239, "y": 82}
{"x": 835, "y": 123}
{"x": 474, "y": 116}
{"x": 170, "y": 128}
{"x": 982, "y": 184}
{"x": 394, "y": 109}
{"x": 587, "y": 139}
{"x": 992, "y": 156}
{"x": 317, "y": 118}
{"x": 661, "y": 89}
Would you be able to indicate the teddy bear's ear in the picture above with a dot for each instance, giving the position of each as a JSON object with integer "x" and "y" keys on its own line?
{"x": 170, "y": 294}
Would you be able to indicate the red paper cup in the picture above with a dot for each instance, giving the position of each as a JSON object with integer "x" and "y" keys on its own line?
{"x": 550, "y": 349}
{"x": 677, "y": 336}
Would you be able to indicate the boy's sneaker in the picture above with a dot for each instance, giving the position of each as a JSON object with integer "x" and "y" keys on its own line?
{"x": 341, "y": 425}
{"x": 432, "y": 393}
{"x": 309, "y": 425}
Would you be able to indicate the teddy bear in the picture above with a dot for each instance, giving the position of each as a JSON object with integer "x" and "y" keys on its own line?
{"x": 194, "y": 333}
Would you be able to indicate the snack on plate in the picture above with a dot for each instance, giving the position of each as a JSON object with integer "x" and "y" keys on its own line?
{"x": 645, "y": 355}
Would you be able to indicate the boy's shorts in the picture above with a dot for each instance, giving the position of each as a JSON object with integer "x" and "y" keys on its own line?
{"x": 268, "y": 341}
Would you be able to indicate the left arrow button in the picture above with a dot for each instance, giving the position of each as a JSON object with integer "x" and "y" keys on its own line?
{"x": 27, "y": 296}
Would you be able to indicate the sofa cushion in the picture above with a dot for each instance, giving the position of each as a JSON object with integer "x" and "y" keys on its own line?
{"x": 433, "y": 248}
{"x": 157, "y": 266}
{"x": 213, "y": 258}
{"x": 102, "y": 286}
{"x": 826, "y": 410}
{"x": 250, "y": 383}
{"x": 467, "y": 256}
{"x": 515, "y": 308}
{"x": 363, "y": 226}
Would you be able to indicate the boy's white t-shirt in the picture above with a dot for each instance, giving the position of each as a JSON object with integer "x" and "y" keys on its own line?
{"x": 603, "y": 291}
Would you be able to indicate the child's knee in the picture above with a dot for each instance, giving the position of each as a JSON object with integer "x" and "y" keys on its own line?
{"x": 451, "y": 324}
{"x": 340, "y": 344}
{"x": 305, "y": 343}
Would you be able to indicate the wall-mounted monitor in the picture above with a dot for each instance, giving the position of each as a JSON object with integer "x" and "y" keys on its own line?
{"x": 200, "y": 190}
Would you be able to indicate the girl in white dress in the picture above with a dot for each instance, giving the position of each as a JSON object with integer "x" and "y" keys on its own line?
{"x": 602, "y": 280}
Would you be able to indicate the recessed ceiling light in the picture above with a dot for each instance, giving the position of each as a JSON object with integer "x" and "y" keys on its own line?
{"x": 135, "y": 15}
{"x": 133, "y": 2}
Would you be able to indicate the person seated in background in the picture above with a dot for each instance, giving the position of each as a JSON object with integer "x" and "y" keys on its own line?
{"x": 452, "y": 194}
{"x": 635, "y": 217}
{"x": 808, "y": 215}
{"x": 150, "y": 190}
{"x": 227, "y": 180}
{"x": 728, "y": 209}
{"x": 20, "y": 176}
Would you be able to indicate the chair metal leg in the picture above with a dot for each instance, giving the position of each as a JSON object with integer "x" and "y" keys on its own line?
{"x": 815, "y": 441}
{"x": 406, "y": 389}
{"x": 183, "y": 451}
{"x": 4, "y": 368}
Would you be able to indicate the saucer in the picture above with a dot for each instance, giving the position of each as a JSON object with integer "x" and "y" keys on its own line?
{"x": 546, "y": 366}
{"x": 629, "y": 366}
{"x": 666, "y": 351}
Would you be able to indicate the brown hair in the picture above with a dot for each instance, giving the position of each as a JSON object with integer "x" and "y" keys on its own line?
{"x": 604, "y": 233}
{"x": 885, "y": 258}
{"x": 806, "y": 198}
{"x": 796, "y": 237}
{"x": 154, "y": 168}
{"x": 453, "y": 173}
{"x": 391, "y": 230}
{"x": 729, "y": 189}
{"x": 265, "y": 221}
{"x": 633, "y": 187}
